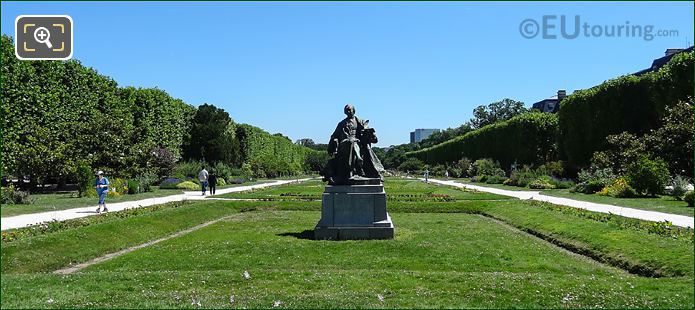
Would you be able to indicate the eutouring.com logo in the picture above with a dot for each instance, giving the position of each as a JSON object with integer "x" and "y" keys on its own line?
{"x": 553, "y": 27}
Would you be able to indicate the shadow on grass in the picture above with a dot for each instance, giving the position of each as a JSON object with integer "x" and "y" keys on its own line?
{"x": 307, "y": 234}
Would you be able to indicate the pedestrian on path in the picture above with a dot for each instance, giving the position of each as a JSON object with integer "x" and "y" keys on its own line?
{"x": 427, "y": 176}
{"x": 446, "y": 174}
{"x": 212, "y": 181}
{"x": 102, "y": 186}
{"x": 203, "y": 178}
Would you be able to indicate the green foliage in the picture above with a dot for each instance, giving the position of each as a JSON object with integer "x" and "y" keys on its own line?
{"x": 594, "y": 180}
{"x": 619, "y": 188}
{"x": 170, "y": 183}
{"x": 485, "y": 167}
{"x": 541, "y": 183}
{"x": 134, "y": 187}
{"x": 58, "y": 114}
{"x": 11, "y": 196}
{"x": 84, "y": 177}
{"x": 444, "y": 135}
{"x": 188, "y": 185}
{"x": 146, "y": 181}
{"x": 412, "y": 164}
{"x": 118, "y": 187}
{"x": 688, "y": 197}
{"x": 270, "y": 155}
{"x": 679, "y": 186}
{"x": 187, "y": 170}
{"x": 525, "y": 139}
{"x": 633, "y": 104}
{"x": 648, "y": 176}
{"x": 496, "y": 112}
{"x": 316, "y": 161}
{"x": 212, "y": 137}
{"x": 674, "y": 140}
{"x": 521, "y": 177}
{"x": 221, "y": 182}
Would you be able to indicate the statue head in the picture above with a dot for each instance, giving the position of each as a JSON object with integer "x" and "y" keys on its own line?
{"x": 349, "y": 110}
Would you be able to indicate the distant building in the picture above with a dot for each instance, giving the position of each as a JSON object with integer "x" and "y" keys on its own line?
{"x": 552, "y": 104}
{"x": 660, "y": 62}
{"x": 421, "y": 134}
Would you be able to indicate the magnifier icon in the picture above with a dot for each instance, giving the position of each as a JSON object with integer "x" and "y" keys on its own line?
{"x": 42, "y": 35}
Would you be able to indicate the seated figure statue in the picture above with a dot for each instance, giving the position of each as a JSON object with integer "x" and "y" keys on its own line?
{"x": 352, "y": 156}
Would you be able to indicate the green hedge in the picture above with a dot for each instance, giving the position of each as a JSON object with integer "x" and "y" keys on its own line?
{"x": 59, "y": 113}
{"x": 270, "y": 155}
{"x": 524, "y": 139}
{"x": 629, "y": 103}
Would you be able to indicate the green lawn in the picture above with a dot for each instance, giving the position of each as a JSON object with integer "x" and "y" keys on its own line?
{"x": 55, "y": 202}
{"x": 666, "y": 204}
{"x": 463, "y": 253}
{"x": 396, "y": 189}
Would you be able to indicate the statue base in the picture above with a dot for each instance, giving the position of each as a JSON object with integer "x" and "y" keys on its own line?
{"x": 351, "y": 212}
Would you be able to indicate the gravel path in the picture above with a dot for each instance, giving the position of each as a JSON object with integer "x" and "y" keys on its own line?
{"x": 36, "y": 218}
{"x": 675, "y": 219}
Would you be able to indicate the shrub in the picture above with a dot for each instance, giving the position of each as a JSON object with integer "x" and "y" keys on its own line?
{"x": 495, "y": 179}
{"x": 689, "y": 198}
{"x": 618, "y": 188}
{"x": 648, "y": 176}
{"x": 9, "y": 195}
{"x": 485, "y": 166}
{"x": 170, "y": 183}
{"x": 188, "y": 185}
{"x": 189, "y": 169}
{"x": 552, "y": 168}
{"x": 412, "y": 165}
{"x": 679, "y": 186}
{"x": 146, "y": 181}
{"x": 222, "y": 171}
{"x": 221, "y": 182}
{"x": 133, "y": 187}
{"x": 527, "y": 139}
{"x": 521, "y": 177}
{"x": 593, "y": 180}
{"x": 541, "y": 183}
{"x": 117, "y": 187}
{"x": 84, "y": 177}
{"x": 562, "y": 183}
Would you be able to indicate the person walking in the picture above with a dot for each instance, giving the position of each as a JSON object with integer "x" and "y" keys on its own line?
{"x": 212, "y": 181}
{"x": 203, "y": 178}
{"x": 102, "y": 186}
{"x": 427, "y": 175}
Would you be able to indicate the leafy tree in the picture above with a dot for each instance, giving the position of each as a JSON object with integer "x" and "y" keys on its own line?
{"x": 212, "y": 136}
{"x": 496, "y": 112}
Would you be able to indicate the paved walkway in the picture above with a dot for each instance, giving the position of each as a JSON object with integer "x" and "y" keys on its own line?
{"x": 37, "y": 218}
{"x": 675, "y": 219}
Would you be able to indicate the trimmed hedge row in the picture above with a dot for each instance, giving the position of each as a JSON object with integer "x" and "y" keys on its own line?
{"x": 633, "y": 104}
{"x": 525, "y": 139}
{"x": 272, "y": 154}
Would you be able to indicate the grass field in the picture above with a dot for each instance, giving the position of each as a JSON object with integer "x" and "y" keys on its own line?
{"x": 666, "y": 204}
{"x": 62, "y": 201}
{"x": 467, "y": 251}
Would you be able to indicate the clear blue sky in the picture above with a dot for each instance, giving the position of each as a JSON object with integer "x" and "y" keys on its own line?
{"x": 290, "y": 67}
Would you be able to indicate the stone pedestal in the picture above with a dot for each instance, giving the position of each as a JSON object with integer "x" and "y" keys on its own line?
{"x": 354, "y": 212}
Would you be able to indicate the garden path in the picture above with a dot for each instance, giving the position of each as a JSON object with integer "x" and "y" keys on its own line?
{"x": 37, "y": 218}
{"x": 675, "y": 219}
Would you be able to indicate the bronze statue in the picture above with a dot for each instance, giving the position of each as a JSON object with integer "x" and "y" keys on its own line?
{"x": 351, "y": 147}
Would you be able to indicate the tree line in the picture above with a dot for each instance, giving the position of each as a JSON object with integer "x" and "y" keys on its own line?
{"x": 60, "y": 116}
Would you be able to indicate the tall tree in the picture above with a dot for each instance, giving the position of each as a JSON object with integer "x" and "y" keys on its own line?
{"x": 496, "y": 111}
{"x": 212, "y": 136}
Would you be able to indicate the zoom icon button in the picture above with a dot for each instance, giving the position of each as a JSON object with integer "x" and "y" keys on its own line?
{"x": 43, "y": 37}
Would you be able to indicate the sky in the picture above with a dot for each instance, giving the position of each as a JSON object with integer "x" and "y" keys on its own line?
{"x": 290, "y": 67}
